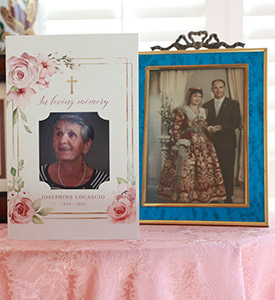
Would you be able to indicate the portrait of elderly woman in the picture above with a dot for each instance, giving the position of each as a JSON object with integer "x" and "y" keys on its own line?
{"x": 73, "y": 137}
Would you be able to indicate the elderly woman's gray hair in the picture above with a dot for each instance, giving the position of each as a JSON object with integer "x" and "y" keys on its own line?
{"x": 87, "y": 131}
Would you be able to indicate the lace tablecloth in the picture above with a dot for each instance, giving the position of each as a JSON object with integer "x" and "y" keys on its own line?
{"x": 166, "y": 263}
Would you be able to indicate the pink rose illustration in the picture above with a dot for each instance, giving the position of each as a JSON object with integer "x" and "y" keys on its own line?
{"x": 23, "y": 71}
{"x": 12, "y": 195}
{"x": 47, "y": 66}
{"x": 125, "y": 190}
{"x": 24, "y": 193}
{"x": 20, "y": 210}
{"x": 27, "y": 73}
{"x": 121, "y": 211}
{"x": 22, "y": 97}
{"x": 43, "y": 83}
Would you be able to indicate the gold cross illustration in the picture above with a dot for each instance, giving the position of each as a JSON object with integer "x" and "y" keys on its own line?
{"x": 72, "y": 81}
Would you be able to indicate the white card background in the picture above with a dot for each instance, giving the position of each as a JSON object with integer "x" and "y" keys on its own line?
{"x": 106, "y": 85}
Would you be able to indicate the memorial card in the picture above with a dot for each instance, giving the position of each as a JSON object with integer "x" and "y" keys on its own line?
{"x": 72, "y": 137}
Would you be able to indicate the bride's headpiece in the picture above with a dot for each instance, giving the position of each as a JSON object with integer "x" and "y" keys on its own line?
{"x": 193, "y": 90}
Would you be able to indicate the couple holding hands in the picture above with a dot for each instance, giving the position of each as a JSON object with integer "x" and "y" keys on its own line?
{"x": 200, "y": 165}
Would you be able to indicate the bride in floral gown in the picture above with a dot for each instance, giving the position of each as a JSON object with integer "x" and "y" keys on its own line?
{"x": 191, "y": 173}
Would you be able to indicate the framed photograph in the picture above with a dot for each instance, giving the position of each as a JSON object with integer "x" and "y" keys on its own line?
{"x": 201, "y": 113}
{"x": 72, "y": 142}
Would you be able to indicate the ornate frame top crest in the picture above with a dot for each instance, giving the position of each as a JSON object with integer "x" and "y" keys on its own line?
{"x": 210, "y": 42}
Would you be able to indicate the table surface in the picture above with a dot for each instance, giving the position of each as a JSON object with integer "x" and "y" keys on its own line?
{"x": 167, "y": 262}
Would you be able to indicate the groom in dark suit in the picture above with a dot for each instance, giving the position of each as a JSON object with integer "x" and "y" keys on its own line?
{"x": 223, "y": 117}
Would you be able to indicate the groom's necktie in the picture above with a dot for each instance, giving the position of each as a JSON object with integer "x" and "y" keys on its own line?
{"x": 217, "y": 106}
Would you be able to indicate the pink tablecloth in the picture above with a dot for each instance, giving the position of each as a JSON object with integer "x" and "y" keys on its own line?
{"x": 167, "y": 263}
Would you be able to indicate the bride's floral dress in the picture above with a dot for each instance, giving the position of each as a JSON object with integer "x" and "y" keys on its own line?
{"x": 191, "y": 173}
